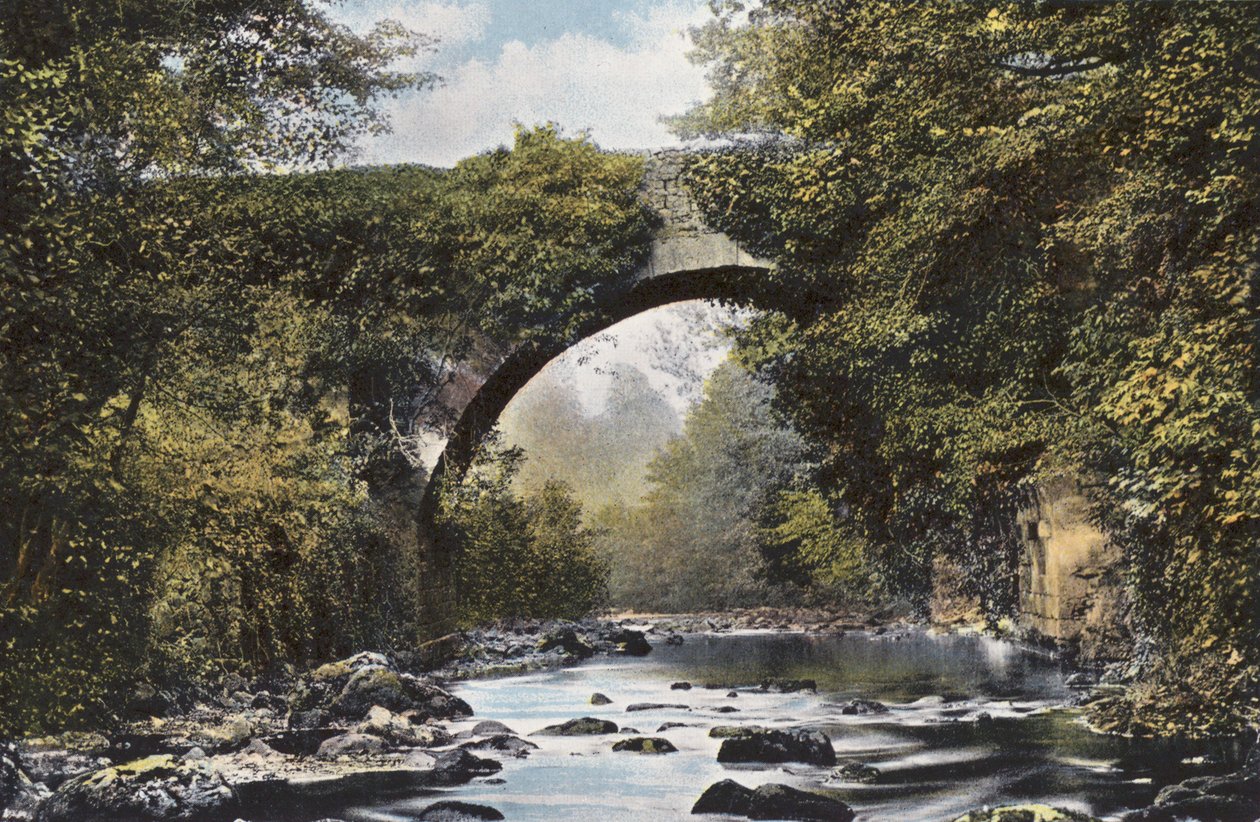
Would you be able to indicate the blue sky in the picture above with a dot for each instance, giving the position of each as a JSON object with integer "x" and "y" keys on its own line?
{"x": 609, "y": 67}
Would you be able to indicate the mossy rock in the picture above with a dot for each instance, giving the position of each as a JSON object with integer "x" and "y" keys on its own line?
{"x": 730, "y": 731}
{"x": 645, "y": 745}
{"x": 586, "y": 726}
{"x": 1026, "y": 813}
{"x": 154, "y": 788}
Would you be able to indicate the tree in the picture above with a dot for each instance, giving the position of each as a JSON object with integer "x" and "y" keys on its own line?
{"x": 692, "y": 543}
{"x": 520, "y": 558}
{"x": 1016, "y": 239}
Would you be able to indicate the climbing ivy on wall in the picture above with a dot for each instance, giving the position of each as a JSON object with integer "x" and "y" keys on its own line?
{"x": 1017, "y": 239}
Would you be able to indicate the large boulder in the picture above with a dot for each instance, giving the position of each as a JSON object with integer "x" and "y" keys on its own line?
{"x": 455, "y": 811}
{"x": 349, "y": 688}
{"x": 19, "y": 796}
{"x": 630, "y": 642}
{"x": 770, "y": 802}
{"x": 227, "y": 735}
{"x": 727, "y": 797}
{"x": 503, "y": 743}
{"x": 487, "y": 727}
{"x": 768, "y": 745}
{"x": 863, "y": 707}
{"x": 350, "y": 744}
{"x": 567, "y": 640}
{"x": 52, "y": 760}
{"x": 586, "y": 726}
{"x": 645, "y": 745}
{"x": 1231, "y": 798}
{"x": 783, "y": 802}
{"x": 459, "y": 766}
{"x": 156, "y": 788}
{"x": 398, "y": 730}
{"x": 396, "y": 692}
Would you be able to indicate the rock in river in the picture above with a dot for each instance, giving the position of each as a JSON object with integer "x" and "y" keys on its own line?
{"x": 459, "y": 766}
{"x": 863, "y": 707}
{"x": 453, "y": 811}
{"x": 1025, "y": 813}
{"x": 568, "y": 641}
{"x": 645, "y": 745}
{"x": 770, "y": 802}
{"x": 631, "y": 643}
{"x": 600, "y": 699}
{"x": 856, "y": 772}
{"x": 586, "y": 726}
{"x": 812, "y": 747}
{"x": 787, "y": 686}
{"x": 504, "y": 743}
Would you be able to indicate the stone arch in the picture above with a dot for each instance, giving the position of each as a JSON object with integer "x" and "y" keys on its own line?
{"x": 687, "y": 260}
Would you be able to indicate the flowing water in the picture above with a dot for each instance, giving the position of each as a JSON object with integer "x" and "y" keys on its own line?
{"x": 937, "y": 759}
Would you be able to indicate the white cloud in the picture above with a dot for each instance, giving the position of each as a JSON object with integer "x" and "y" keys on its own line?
{"x": 580, "y": 82}
{"x": 452, "y": 23}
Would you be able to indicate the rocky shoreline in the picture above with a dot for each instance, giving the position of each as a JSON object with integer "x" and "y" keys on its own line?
{"x": 382, "y": 724}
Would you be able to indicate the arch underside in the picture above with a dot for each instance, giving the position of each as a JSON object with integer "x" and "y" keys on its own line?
{"x": 479, "y": 416}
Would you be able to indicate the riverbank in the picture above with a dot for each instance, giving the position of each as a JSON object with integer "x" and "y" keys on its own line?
{"x": 377, "y": 724}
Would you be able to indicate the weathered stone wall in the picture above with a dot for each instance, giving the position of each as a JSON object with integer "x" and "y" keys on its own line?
{"x": 664, "y": 190}
{"x": 1070, "y": 577}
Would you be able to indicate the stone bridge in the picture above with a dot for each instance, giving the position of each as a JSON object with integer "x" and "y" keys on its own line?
{"x": 1067, "y": 577}
{"x": 687, "y": 260}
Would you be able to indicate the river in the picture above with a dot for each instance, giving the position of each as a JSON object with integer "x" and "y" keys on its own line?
{"x": 937, "y": 755}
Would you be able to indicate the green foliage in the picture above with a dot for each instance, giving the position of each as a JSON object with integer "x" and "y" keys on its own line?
{"x": 529, "y": 557}
{"x": 209, "y": 377}
{"x": 1016, "y": 239}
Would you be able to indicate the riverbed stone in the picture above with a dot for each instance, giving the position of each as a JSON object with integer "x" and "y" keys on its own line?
{"x": 780, "y": 685}
{"x": 396, "y": 692}
{"x": 775, "y": 746}
{"x": 863, "y": 707}
{"x": 350, "y": 744}
{"x": 680, "y": 686}
{"x": 489, "y": 727}
{"x": 231, "y": 733}
{"x": 1025, "y": 813}
{"x": 645, "y": 745}
{"x": 455, "y": 811}
{"x": 727, "y": 731}
{"x": 600, "y": 699}
{"x": 727, "y": 797}
{"x": 771, "y": 801}
{"x": 504, "y": 743}
{"x": 630, "y": 642}
{"x": 656, "y": 706}
{"x": 567, "y": 640}
{"x": 459, "y": 766}
{"x": 856, "y": 772}
{"x": 585, "y": 726}
{"x": 154, "y": 788}
{"x": 784, "y": 802}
